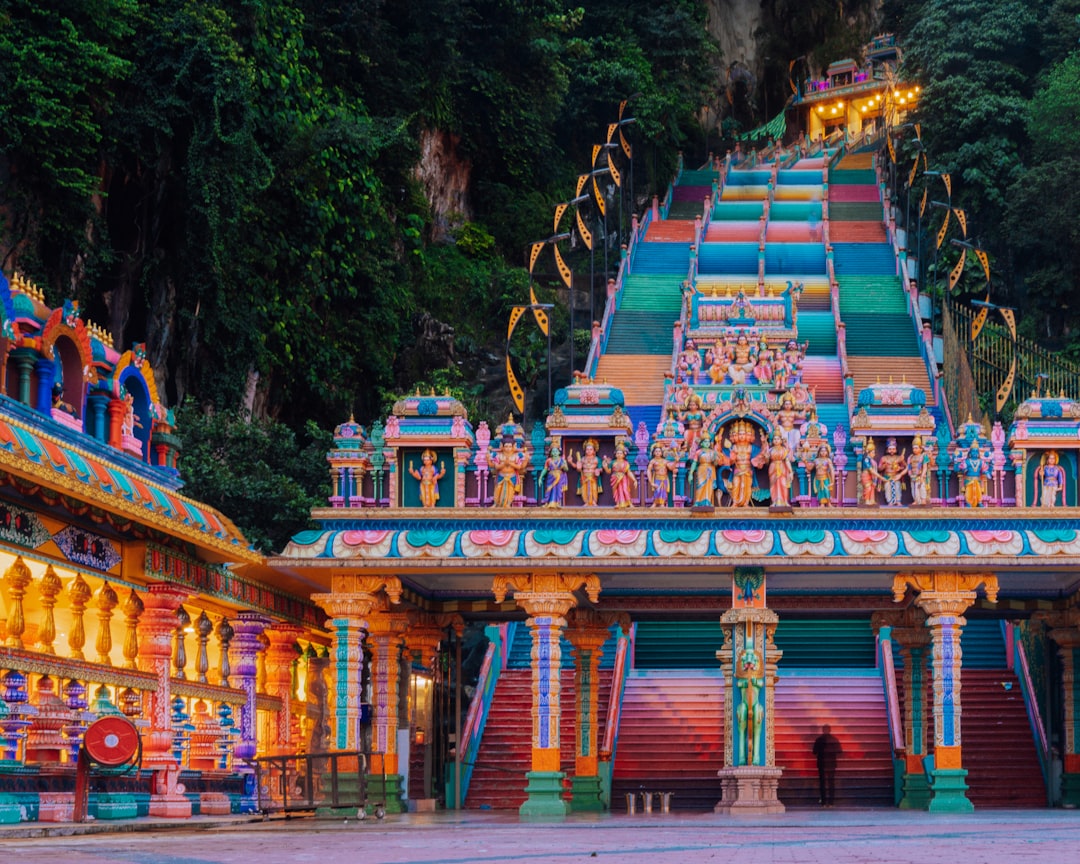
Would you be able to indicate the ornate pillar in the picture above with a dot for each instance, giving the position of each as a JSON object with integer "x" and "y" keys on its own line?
{"x": 386, "y": 639}
{"x": 279, "y": 682}
{"x": 907, "y": 628}
{"x": 160, "y": 602}
{"x": 348, "y": 604}
{"x": 546, "y": 598}
{"x": 588, "y": 631}
{"x": 749, "y": 778}
{"x": 1065, "y": 631}
{"x": 18, "y": 578}
{"x": 248, "y": 628}
{"x": 944, "y": 595}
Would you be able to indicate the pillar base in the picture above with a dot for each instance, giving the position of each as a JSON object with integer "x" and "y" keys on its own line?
{"x": 1070, "y": 789}
{"x": 544, "y": 790}
{"x": 122, "y": 805}
{"x": 56, "y": 807}
{"x": 749, "y": 790}
{"x": 385, "y": 790}
{"x": 916, "y": 792}
{"x": 586, "y": 795}
{"x": 948, "y": 788}
{"x": 11, "y": 810}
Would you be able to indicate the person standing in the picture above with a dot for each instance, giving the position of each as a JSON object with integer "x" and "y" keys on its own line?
{"x": 827, "y": 751}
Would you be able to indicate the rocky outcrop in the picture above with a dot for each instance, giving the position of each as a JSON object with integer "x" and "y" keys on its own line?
{"x": 445, "y": 177}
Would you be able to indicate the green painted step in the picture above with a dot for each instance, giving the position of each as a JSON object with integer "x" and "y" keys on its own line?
{"x": 855, "y": 211}
{"x": 853, "y": 177}
{"x": 882, "y": 294}
{"x": 738, "y": 211}
{"x": 661, "y": 294}
{"x": 820, "y": 329}
{"x": 686, "y": 209}
{"x": 639, "y": 333}
{"x": 822, "y": 643}
{"x": 815, "y": 643}
{"x": 874, "y": 335}
{"x": 699, "y": 177}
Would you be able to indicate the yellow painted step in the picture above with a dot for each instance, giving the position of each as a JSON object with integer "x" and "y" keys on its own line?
{"x": 639, "y": 376}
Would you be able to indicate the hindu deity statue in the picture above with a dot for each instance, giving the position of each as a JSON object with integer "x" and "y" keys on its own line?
{"x": 824, "y": 476}
{"x": 623, "y": 481}
{"x": 742, "y": 362}
{"x": 693, "y": 418}
{"x": 508, "y": 464}
{"x": 718, "y": 366}
{"x": 813, "y": 432}
{"x": 893, "y": 470}
{"x": 1050, "y": 477}
{"x": 868, "y": 475}
{"x": 740, "y": 455}
{"x": 553, "y": 479}
{"x": 786, "y": 417}
{"x": 918, "y": 470}
{"x": 429, "y": 478}
{"x": 658, "y": 475}
{"x": 973, "y": 467}
{"x": 777, "y": 455}
{"x": 763, "y": 368}
{"x": 690, "y": 361}
{"x": 589, "y": 470}
{"x": 704, "y": 465}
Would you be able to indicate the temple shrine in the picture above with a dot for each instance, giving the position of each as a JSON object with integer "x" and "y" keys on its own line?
{"x": 750, "y": 521}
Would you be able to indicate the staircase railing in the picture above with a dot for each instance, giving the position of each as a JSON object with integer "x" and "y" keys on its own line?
{"x": 892, "y": 697}
{"x": 500, "y": 636}
{"x": 990, "y": 357}
{"x": 1023, "y": 672}
{"x": 623, "y": 661}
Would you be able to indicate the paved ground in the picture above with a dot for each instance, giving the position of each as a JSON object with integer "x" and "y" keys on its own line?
{"x": 833, "y": 837}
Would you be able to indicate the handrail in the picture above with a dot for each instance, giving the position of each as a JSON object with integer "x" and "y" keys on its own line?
{"x": 1030, "y": 702}
{"x": 892, "y": 698}
{"x": 618, "y": 682}
{"x": 476, "y": 718}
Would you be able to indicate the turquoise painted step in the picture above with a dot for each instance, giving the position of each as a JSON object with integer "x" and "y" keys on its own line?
{"x": 832, "y": 414}
{"x": 656, "y": 257}
{"x": 873, "y": 335}
{"x": 820, "y": 329}
{"x": 794, "y": 177}
{"x": 697, "y": 177}
{"x": 738, "y": 211}
{"x": 661, "y": 294}
{"x": 855, "y": 211}
{"x": 677, "y": 645}
{"x": 795, "y": 211}
{"x": 864, "y": 259}
{"x": 520, "y": 654}
{"x": 982, "y": 644}
{"x": 849, "y": 177}
{"x": 639, "y": 333}
{"x": 794, "y": 259}
{"x": 748, "y": 178}
{"x": 739, "y": 259}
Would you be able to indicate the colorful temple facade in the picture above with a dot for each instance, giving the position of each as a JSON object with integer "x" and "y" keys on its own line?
{"x": 750, "y": 518}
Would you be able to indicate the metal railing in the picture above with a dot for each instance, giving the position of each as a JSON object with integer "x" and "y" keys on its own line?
{"x": 980, "y": 367}
{"x": 306, "y": 782}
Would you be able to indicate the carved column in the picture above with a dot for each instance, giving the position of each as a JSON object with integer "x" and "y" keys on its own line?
{"x": 588, "y": 631}
{"x": 106, "y": 602}
{"x": 386, "y": 639}
{"x": 944, "y": 595}
{"x": 748, "y": 659}
{"x": 248, "y": 627}
{"x": 133, "y": 608}
{"x": 1065, "y": 631}
{"x": 49, "y": 589}
{"x": 79, "y": 595}
{"x": 348, "y": 604}
{"x": 907, "y": 628}
{"x": 279, "y": 659}
{"x": 160, "y": 601}
{"x": 546, "y": 598}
